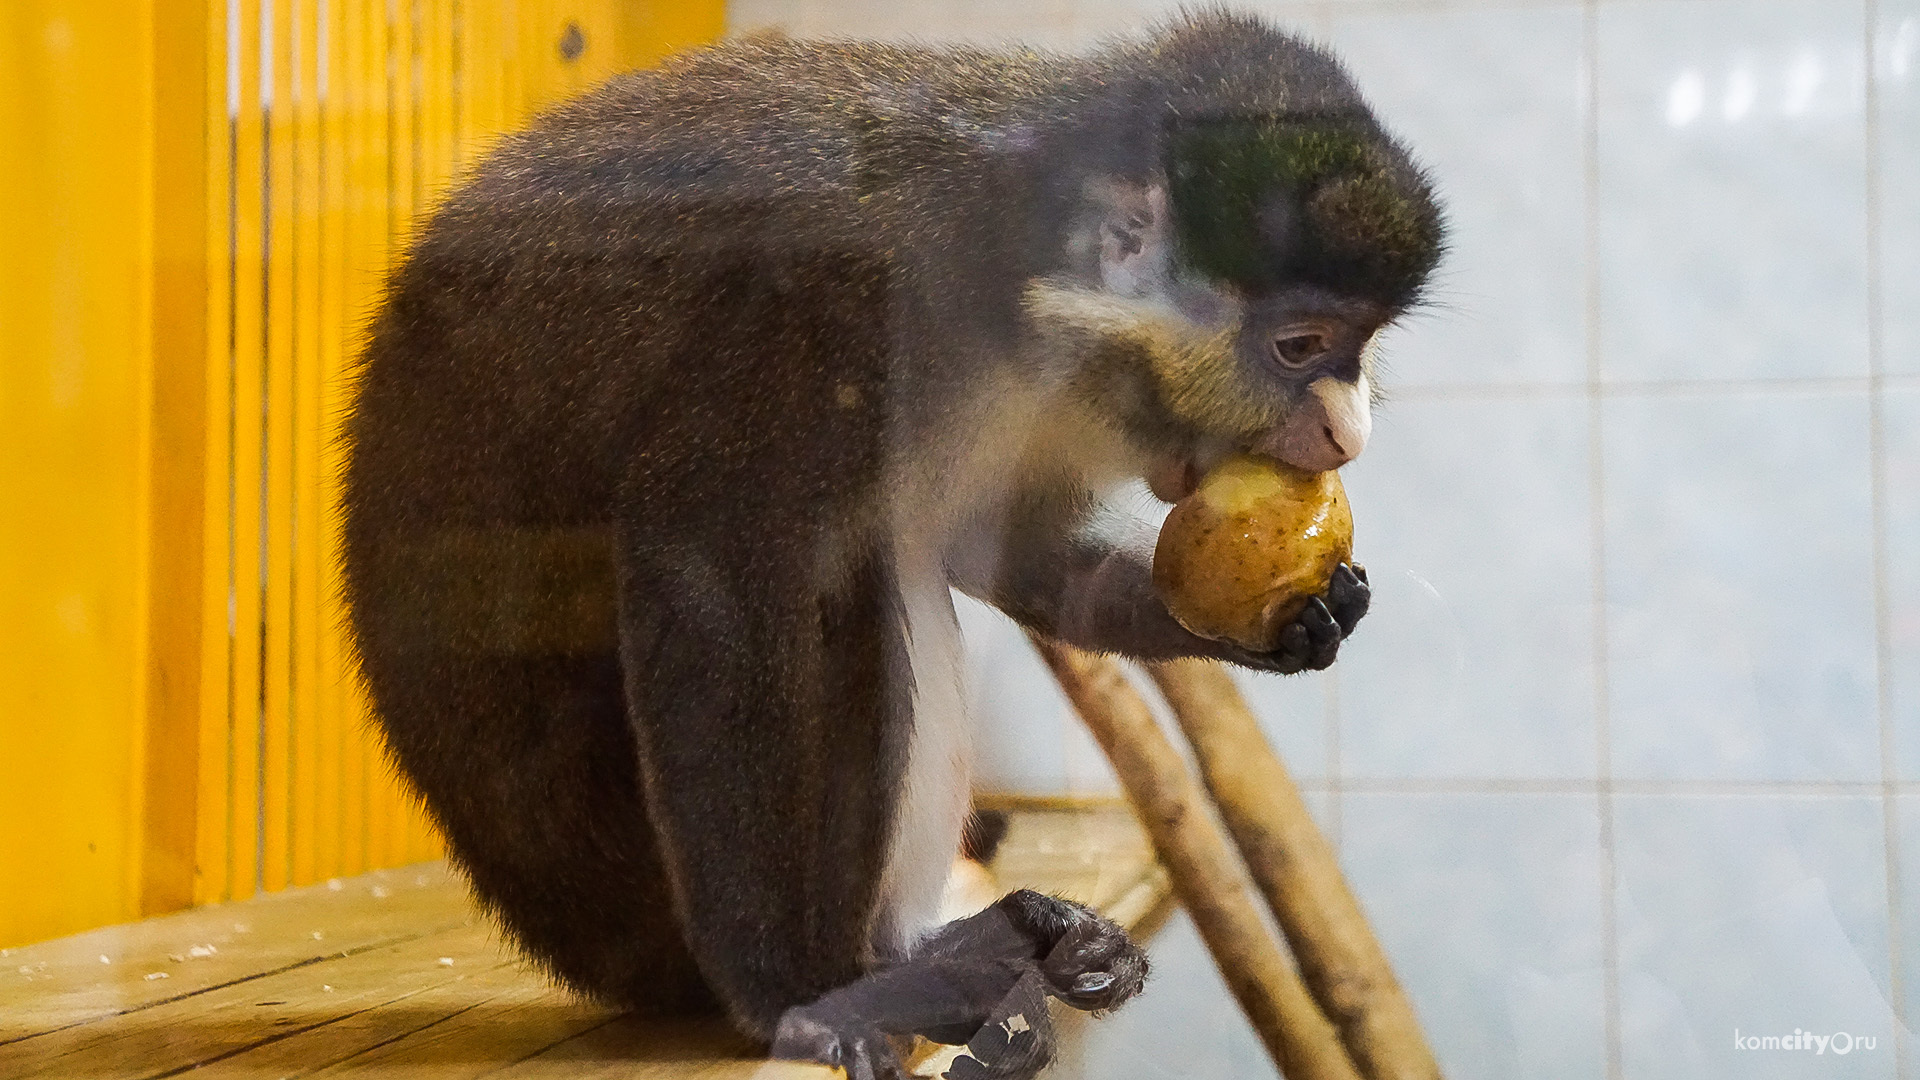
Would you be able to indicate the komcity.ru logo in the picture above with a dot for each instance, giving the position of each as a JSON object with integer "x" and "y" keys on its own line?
{"x": 1839, "y": 1042}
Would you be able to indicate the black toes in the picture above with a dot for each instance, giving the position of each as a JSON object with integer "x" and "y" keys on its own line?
{"x": 862, "y": 1051}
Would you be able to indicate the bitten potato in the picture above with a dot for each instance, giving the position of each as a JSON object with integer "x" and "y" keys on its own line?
{"x": 1240, "y": 557}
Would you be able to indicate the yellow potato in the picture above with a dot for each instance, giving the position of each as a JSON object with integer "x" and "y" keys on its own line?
{"x": 1240, "y": 557}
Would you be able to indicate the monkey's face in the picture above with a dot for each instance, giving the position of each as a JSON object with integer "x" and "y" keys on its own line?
{"x": 1191, "y": 369}
{"x": 1230, "y": 301}
{"x": 1190, "y": 372}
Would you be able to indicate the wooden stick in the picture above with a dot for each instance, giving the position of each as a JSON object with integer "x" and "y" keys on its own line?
{"x": 1206, "y": 875}
{"x": 1295, "y": 868}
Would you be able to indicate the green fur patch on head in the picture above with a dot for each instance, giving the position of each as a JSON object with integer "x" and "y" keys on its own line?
{"x": 1261, "y": 202}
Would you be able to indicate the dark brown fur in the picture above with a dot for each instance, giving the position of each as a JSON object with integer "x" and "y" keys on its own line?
{"x": 617, "y": 538}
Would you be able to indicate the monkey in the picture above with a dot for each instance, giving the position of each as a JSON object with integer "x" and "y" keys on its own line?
{"x": 686, "y": 410}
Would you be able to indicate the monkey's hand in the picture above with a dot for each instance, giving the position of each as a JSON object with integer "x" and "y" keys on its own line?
{"x": 1312, "y": 640}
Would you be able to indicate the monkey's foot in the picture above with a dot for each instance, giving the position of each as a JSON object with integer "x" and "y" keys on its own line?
{"x": 982, "y": 981}
{"x": 1312, "y": 640}
{"x": 859, "y": 1048}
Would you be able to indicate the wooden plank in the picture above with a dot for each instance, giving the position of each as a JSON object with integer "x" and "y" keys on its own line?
{"x": 60, "y": 983}
{"x": 631, "y": 1049}
{"x": 472, "y": 1028}
{"x": 225, "y": 1021}
{"x": 274, "y": 1002}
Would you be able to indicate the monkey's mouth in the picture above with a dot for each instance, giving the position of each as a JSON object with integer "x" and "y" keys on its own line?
{"x": 1172, "y": 479}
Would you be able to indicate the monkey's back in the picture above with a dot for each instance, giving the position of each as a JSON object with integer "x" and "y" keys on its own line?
{"x": 702, "y": 301}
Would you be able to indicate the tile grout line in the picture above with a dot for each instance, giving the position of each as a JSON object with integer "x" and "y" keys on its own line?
{"x": 1596, "y": 487}
{"x": 1877, "y": 499}
{"x": 1491, "y": 785}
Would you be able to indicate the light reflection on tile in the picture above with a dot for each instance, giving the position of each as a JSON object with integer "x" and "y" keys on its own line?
{"x": 1732, "y": 196}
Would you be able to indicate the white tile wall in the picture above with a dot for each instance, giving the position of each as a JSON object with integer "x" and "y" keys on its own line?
{"x": 1764, "y": 914}
{"x": 1489, "y": 905}
{"x": 1477, "y": 659}
{"x": 1740, "y": 586}
{"x": 1897, "y": 52}
{"x": 1673, "y": 360}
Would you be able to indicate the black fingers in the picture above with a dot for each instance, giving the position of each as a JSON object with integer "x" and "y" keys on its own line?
{"x": 1289, "y": 656}
{"x": 1088, "y": 960}
{"x": 1312, "y": 640}
{"x": 1322, "y": 631}
{"x": 1349, "y": 596}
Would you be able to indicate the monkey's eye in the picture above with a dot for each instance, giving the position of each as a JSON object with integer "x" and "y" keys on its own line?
{"x": 1298, "y": 348}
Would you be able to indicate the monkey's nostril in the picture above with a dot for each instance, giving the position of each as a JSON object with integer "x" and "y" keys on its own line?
{"x": 1327, "y": 429}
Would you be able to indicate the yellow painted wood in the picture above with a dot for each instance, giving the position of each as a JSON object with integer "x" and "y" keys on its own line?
{"x": 75, "y": 114}
{"x": 247, "y": 525}
{"x": 211, "y": 712}
{"x": 304, "y": 729}
{"x": 404, "y": 981}
{"x": 278, "y": 411}
{"x": 328, "y": 796}
{"x": 215, "y": 190}
{"x": 188, "y": 298}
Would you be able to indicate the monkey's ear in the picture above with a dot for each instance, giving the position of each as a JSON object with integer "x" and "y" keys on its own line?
{"x": 1133, "y": 235}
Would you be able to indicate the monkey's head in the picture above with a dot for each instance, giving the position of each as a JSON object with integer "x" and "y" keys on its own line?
{"x": 1224, "y": 289}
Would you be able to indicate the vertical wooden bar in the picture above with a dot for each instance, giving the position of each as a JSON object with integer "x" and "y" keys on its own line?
{"x": 393, "y": 70}
{"x": 278, "y": 409}
{"x": 213, "y": 836}
{"x": 246, "y": 439}
{"x": 307, "y": 526}
{"x": 334, "y": 329}
{"x": 184, "y": 308}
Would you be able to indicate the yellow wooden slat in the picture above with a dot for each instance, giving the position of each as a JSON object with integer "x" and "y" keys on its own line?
{"x": 247, "y": 435}
{"x": 437, "y": 146}
{"x": 211, "y": 860}
{"x": 188, "y": 303}
{"x": 369, "y": 196}
{"x": 74, "y": 137}
{"x": 385, "y": 813}
{"x": 333, "y": 329}
{"x": 279, "y": 409}
{"x": 307, "y": 437}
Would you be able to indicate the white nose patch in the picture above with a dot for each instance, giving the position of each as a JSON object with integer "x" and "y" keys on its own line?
{"x": 1349, "y": 411}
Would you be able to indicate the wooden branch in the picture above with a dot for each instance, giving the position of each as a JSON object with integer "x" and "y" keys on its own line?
{"x": 1341, "y": 960}
{"x": 1206, "y": 875}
